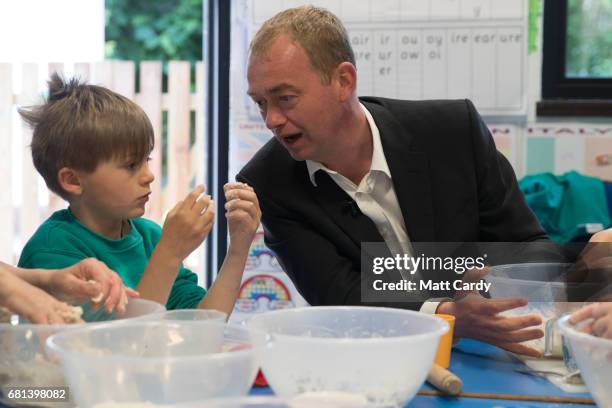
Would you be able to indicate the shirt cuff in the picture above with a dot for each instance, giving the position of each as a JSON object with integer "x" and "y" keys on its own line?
{"x": 431, "y": 305}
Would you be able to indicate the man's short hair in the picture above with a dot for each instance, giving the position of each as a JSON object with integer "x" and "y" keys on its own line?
{"x": 82, "y": 125}
{"x": 319, "y": 32}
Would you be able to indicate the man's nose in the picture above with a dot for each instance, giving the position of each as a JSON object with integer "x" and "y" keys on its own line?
{"x": 274, "y": 118}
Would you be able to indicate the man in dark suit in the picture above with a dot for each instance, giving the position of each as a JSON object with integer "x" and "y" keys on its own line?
{"x": 341, "y": 171}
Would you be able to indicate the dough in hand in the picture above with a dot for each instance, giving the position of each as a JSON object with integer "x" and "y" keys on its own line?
{"x": 99, "y": 296}
{"x": 72, "y": 314}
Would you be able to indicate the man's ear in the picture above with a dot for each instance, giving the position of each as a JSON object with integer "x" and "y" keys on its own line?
{"x": 346, "y": 75}
{"x": 70, "y": 181}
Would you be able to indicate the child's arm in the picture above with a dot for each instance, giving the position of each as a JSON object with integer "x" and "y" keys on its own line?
{"x": 185, "y": 227}
{"x": 86, "y": 280}
{"x": 243, "y": 217}
{"x": 601, "y": 313}
{"x": 28, "y": 301}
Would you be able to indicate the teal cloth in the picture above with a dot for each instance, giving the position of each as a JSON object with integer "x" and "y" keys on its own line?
{"x": 62, "y": 241}
{"x": 564, "y": 204}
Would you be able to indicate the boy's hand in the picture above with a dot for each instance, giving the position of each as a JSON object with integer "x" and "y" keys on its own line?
{"x": 187, "y": 224}
{"x": 37, "y": 306}
{"x": 92, "y": 280}
{"x": 243, "y": 214}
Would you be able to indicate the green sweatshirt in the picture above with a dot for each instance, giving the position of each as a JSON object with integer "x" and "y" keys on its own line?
{"x": 62, "y": 241}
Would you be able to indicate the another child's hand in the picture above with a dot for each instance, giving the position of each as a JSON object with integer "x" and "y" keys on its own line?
{"x": 187, "y": 224}
{"x": 243, "y": 214}
{"x": 602, "y": 236}
{"x": 89, "y": 279}
{"x": 601, "y": 313}
{"x": 36, "y": 305}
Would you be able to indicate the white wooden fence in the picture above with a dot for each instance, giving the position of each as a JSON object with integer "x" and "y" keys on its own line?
{"x": 185, "y": 162}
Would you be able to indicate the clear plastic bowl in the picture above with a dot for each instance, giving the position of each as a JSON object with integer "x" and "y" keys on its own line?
{"x": 23, "y": 360}
{"x": 371, "y": 355}
{"x": 594, "y": 358}
{"x": 194, "y": 315}
{"x": 543, "y": 287}
{"x": 156, "y": 362}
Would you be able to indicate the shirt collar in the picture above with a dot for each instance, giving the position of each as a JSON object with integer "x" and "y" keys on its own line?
{"x": 379, "y": 162}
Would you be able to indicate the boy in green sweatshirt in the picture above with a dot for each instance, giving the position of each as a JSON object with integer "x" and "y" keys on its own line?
{"x": 92, "y": 146}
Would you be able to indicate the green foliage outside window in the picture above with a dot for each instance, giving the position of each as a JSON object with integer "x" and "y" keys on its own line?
{"x": 589, "y": 39}
{"x": 160, "y": 30}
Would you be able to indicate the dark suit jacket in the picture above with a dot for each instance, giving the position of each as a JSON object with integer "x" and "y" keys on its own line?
{"x": 451, "y": 183}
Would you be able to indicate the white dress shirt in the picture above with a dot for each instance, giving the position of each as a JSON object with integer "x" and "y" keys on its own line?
{"x": 376, "y": 198}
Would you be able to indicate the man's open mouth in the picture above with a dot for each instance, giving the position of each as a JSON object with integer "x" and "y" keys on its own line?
{"x": 291, "y": 139}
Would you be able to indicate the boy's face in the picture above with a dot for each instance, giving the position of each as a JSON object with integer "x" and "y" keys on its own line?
{"x": 117, "y": 189}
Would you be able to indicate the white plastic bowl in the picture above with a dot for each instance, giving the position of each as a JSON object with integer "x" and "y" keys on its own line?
{"x": 23, "y": 360}
{"x": 157, "y": 362}
{"x": 380, "y": 355}
{"x": 331, "y": 400}
{"x": 594, "y": 358}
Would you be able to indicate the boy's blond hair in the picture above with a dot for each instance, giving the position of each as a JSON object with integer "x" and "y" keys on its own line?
{"x": 80, "y": 126}
{"x": 319, "y": 32}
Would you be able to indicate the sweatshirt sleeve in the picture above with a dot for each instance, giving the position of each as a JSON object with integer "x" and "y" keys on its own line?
{"x": 185, "y": 293}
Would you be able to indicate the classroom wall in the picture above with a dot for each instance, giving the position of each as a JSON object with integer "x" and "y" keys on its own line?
{"x": 561, "y": 144}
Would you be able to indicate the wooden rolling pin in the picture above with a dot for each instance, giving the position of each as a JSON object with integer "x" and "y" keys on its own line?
{"x": 445, "y": 381}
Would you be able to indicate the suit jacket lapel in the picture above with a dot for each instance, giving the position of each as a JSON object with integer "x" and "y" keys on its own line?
{"x": 410, "y": 174}
{"x": 334, "y": 202}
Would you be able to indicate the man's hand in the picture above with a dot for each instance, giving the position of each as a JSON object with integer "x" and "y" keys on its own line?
{"x": 187, "y": 224}
{"x": 601, "y": 313}
{"x": 243, "y": 214}
{"x": 479, "y": 318}
{"x": 89, "y": 279}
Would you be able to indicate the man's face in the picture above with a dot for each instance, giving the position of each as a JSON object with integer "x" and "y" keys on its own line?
{"x": 295, "y": 104}
{"x": 117, "y": 189}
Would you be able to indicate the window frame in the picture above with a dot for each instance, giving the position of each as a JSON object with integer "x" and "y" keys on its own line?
{"x": 555, "y": 83}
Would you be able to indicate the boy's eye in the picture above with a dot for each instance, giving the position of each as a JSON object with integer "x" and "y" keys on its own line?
{"x": 132, "y": 166}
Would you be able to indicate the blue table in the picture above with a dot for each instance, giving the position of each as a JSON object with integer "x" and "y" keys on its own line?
{"x": 486, "y": 369}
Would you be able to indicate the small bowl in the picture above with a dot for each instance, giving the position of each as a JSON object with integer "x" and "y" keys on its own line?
{"x": 374, "y": 355}
{"x": 23, "y": 360}
{"x": 156, "y": 362}
{"x": 186, "y": 315}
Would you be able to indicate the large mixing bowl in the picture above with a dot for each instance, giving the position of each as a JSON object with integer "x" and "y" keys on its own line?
{"x": 378, "y": 355}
